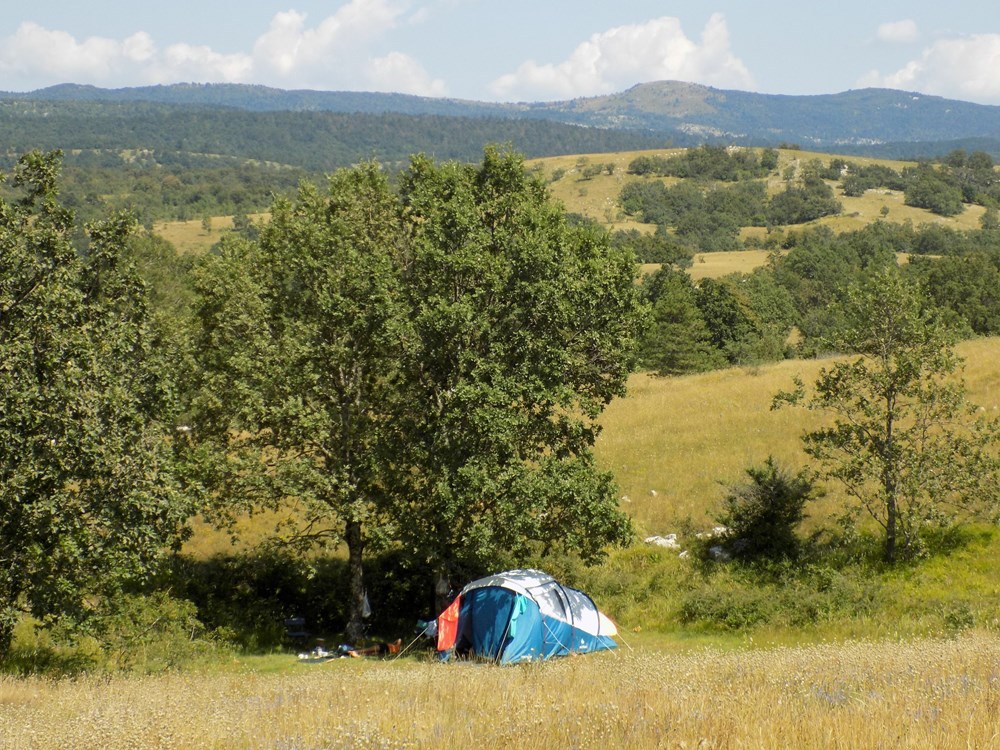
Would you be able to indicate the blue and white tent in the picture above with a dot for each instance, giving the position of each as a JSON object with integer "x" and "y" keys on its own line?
{"x": 522, "y": 615}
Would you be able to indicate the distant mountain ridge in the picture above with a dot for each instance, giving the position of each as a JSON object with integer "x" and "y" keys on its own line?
{"x": 883, "y": 122}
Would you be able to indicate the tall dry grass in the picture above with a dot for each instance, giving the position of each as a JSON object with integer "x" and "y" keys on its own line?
{"x": 672, "y": 441}
{"x": 924, "y": 694}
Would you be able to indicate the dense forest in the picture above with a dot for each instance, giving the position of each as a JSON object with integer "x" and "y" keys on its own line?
{"x": 314, "y": 141}
{"x": 874, "y": 122}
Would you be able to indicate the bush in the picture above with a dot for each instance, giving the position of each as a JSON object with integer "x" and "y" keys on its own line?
{"x": 146, "y": 633}
{"x": 760, "y": 515}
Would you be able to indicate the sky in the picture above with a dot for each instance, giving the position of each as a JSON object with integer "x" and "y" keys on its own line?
{"x": 508, "y": 50}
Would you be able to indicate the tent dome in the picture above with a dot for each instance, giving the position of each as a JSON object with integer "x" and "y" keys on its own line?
{"x": 522, "y": 615}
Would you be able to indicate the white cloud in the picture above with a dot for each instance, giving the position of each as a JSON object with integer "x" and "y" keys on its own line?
{"x": 959, "y": 68}
{"x": 58, "y": 55}
{"x": 290, "y": 48}
{"x": 898, "y": 32}
{"x": 185, "y": 62}
{"x": 401, "y": 73}
{"x": 625, "y": 55}
{"x": 345, "y": 50}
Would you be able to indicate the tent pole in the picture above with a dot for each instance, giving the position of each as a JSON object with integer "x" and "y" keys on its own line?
{"x": 410, "y": 644}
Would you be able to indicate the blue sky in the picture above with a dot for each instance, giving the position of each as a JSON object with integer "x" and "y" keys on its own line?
{"x": 508, "y": 50}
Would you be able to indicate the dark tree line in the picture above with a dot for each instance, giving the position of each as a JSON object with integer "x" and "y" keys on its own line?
{"x": 746, "y": 318}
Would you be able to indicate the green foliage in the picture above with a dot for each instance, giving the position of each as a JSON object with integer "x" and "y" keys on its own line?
{"x": 862, "y": 177}
{"x": 425, "y": 367}
{"x": 525, "y": 329}
{"x": 678, "y": 339}
{"x": 707, "y": 162}
{"x": 797, "y": 204}
{"x": 149, "y": 633}
{"x": 88, "y": 497}
{"x": 780, "y": 596}
{"x": 300, "y": 351}
{"x": 731, "y": 323}
{"x": 965, "y": 286}
{"x": 761, "y": 515}
{"x": 660, "y": 247}
{"x": 904, "y": 444}
{"x": 934, "y": 190}
{"x": 710, "y": 219}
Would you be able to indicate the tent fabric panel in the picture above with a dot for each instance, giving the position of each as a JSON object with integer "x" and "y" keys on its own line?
{"x": 551, "y": 600}
{"x": 521, "y": 581}
{"x": 447, "y": 625}
{"x": 484, "y": 621}
{"x": 586, "y": 616}
{"x": 563, "y": 639}
{"x": 524, "y": 642}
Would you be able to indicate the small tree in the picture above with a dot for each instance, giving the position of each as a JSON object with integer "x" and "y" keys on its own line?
{"x": 904, "y": 443}
{"x": 760, "y": 515}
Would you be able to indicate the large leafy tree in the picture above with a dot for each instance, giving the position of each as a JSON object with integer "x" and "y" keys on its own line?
{"x": 904, "y": 442}
{"x": 424, "y": 368}
{"x": 301, "y": 335}
{"x": 88, "y": 498}
{"x": 525, "y": 329}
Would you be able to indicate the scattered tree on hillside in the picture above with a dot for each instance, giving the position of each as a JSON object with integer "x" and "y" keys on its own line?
{"x": 760, "y": 515}
{"x": 88, "y": 499}
{"x": 935, "y": 190}
{"x": 904, "y": 443}
{"x": 678, "y": 339}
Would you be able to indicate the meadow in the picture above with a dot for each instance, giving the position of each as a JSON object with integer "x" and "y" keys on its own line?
{"x": 927, "y": 693}
{"x": 671, "y": 441}
{"x": 922, "y": 670}
{"x": 915, "y": 665}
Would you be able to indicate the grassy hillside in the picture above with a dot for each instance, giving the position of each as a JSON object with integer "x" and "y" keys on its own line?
{"x": 679, "y": 437}
{"x": 596, "y": 197}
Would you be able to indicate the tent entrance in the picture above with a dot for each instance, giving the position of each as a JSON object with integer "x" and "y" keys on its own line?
{"x": 500, "y": 625}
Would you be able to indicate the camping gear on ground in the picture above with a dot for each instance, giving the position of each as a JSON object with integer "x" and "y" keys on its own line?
{"x": 522, "y": 615}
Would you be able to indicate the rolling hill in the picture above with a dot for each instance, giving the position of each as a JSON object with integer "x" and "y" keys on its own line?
{"x": 878, "y": 122}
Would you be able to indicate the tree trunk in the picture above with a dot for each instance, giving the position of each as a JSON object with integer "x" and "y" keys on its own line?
{"x": 8, "y": 618}
{"x": 889, "y": 481}
{"x": 355, "y": 571}
{"x": 890, "y": 529}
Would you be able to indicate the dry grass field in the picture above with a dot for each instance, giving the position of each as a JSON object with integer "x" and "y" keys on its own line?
{"x": 190, "y": 236}
{"x": 928, "y": 694}
{"x": 671, "y": 441}
{"x": 714, "y": 265}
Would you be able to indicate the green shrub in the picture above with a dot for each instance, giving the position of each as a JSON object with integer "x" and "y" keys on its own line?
{"x": 761, "y": 515}
{"x": 145, "y": 633}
